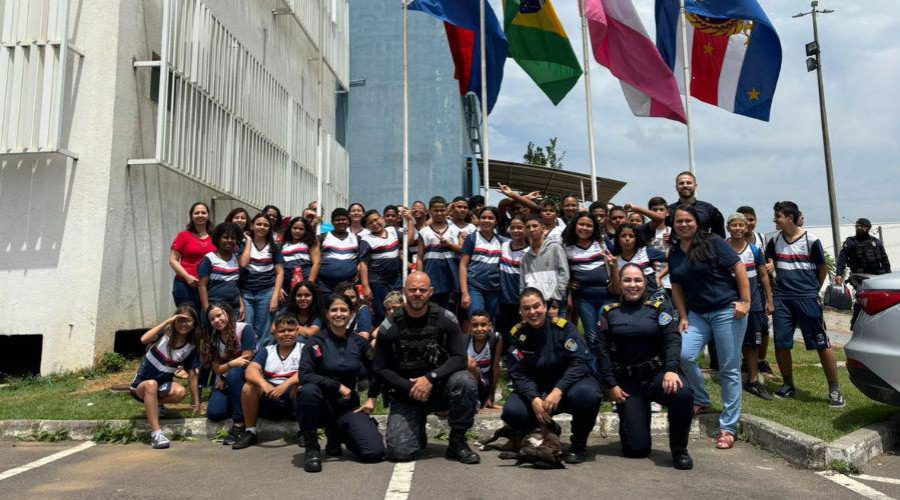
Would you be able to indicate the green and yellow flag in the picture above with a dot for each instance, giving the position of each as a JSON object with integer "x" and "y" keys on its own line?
{"x": 538, "y": 42}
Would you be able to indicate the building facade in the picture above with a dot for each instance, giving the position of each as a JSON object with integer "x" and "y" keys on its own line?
{"x": 115, "y": 117}
{"x": 437, "y": 143}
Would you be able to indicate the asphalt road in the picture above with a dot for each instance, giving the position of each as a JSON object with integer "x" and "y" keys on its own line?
{"x": 207, "y": 470}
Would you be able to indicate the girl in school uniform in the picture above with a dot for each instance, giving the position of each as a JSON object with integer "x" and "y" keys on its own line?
{"x": 263, "y": 268}
{"x": 301, "y": 255}
{"x": 305, "y": 302}
{"x": 173, "y": 343}
{"x": 511, "y": 252}
{"x": 219, "y": 270}
{"x": 479, "y": 267}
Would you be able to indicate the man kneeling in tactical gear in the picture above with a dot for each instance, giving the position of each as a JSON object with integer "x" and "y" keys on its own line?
{"x": 421, "y": 360}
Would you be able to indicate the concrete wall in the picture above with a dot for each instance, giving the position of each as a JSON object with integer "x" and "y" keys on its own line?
{"x": 84, "y": 245}
{"x": 375, "y": 132}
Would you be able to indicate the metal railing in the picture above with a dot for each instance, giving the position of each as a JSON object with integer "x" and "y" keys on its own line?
{"x": 227, "y": 122}
{"x": 337, "y": 32}
{"x": 34, "y": 73}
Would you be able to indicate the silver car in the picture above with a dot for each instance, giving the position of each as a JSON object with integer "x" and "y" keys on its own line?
{"x": 873, "y": 354}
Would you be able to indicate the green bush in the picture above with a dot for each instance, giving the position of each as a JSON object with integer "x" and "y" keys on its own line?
{"x": 111, "y": 362}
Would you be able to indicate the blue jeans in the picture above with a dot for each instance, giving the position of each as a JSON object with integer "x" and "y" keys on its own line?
{"x": 256, "y": 314}
{"x": 728, "y": 332}
{"x": 184, "y": 293}
{"x": 221, "y": 401}
{"x": 588, "y": 314}
{"x": 483, "y": 300}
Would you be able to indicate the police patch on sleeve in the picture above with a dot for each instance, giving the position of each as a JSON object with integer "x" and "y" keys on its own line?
{"x": 571, "y": 345}
{"x": 665, "y": 318}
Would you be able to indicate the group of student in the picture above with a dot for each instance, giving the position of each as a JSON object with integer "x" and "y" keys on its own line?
{"x": 252, "y": 292}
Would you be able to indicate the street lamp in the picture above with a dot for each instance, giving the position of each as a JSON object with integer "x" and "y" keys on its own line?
{"x": 814, "y": 63}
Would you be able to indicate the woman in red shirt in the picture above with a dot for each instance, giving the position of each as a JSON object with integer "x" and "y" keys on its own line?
{"x": 188, "y": 250}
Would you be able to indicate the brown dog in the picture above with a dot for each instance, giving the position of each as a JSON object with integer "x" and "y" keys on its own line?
{"x": 540, "y": 447}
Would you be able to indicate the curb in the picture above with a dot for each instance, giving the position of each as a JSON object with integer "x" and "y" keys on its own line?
{"x": 201, "y": 428}
{"x": 810, "y": 452}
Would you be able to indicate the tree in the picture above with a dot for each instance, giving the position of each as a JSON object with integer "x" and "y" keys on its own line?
{"x": 544, "y": 157}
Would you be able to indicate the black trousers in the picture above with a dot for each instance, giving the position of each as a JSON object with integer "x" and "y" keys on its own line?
{"x": 359, "y": 432}
{"x": 582, "y": 401}
{"x": 634, "y": 415}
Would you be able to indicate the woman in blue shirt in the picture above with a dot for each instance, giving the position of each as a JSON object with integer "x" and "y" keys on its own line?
{"x": 712, "y": 296}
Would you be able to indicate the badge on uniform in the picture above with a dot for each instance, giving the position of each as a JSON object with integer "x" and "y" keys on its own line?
{"x": 665, "y": 318}
{"x": 518, "y": 354}
{"x": 571, "y": 345}
{"x": 317, "y": 351}
{"x": 522, "y": 338}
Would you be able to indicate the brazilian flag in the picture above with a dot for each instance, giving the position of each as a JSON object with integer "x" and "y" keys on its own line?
{"x": 538, "y": 42}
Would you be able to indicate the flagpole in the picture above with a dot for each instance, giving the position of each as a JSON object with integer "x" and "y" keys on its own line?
{"x": 406, "y": 135}
{"x": 589, "y": 101}
{"x": 320, "y": 139}
{"x": 687, "y": 88}
{"x": 485, "y": 156}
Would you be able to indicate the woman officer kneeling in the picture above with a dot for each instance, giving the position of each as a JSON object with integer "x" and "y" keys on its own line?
{"x": 638, "y": 354}
{"x": 549, "y": 371}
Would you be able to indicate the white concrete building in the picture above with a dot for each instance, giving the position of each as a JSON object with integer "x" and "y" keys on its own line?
{"x": 115, "y": 116}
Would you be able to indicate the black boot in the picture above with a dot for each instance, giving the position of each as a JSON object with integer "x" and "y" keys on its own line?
{"x": 577, "y": 453}
{"x": 332, "y": 442}
{"x": 459, "y": 448}
{"x": 312, "y": 459}
{"x": 682, "y": 461}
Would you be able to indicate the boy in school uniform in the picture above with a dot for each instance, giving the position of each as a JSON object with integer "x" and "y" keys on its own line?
{"x": 439, "y": 245}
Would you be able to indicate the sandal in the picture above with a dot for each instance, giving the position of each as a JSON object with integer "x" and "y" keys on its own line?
{"x": 700, "y": 409}
{"x": 725, "y": 440}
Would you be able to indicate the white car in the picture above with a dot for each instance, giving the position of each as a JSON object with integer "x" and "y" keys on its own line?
{"x": 873, "y": 354}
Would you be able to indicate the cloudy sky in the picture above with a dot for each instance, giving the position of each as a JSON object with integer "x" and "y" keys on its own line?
{"x": 741, "y": 160}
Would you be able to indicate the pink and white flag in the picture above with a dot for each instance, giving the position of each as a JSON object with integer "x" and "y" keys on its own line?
{"x": 621, "y": 43}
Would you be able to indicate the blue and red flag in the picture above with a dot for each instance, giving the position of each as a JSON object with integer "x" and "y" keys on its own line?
{"x": 733, "y": 50}
{"x": 461, "y": 21}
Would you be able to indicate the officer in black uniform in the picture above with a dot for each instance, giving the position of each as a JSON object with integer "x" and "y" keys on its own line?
{"x": 549, "y": 369}
{"x": 329, "y": 371}
{"x": 421, "y": 361}
{"x": 863, "y": 254}
{"x": 638, "y": 355}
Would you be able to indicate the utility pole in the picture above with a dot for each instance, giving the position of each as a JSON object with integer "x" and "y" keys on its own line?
{"x": 814, "y": 63}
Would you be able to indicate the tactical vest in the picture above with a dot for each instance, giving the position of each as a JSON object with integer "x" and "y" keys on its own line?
{"x": 867, "y": 257}
{"x": 419, "y": 352}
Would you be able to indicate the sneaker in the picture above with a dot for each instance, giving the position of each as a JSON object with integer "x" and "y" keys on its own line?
{"x": 836, "y": 400}
{"x": 655, "y": 407}
{"x": 764, "y": 367}
{"x": 159, "y": 441}
{"x": 786, "y": 391}
{"x": 232, "y": 436}
{"x": 758, "y": 390}
{"x": 245, "y": 440}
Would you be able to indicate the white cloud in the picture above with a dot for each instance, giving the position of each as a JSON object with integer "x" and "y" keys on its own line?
{"x": 740, "y": 160}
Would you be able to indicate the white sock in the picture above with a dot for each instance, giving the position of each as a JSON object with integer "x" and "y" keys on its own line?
{"x": 251, "y": 430}
{"x": 156, "y": 433}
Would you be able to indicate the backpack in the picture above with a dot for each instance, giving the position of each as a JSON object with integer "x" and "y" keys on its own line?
{"x": 868, "y": 258}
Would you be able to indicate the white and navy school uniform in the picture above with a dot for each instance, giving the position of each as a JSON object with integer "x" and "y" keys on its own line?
{"x": 382, "y": 256}
{"x": 223, "y": 278}
{"x": 483, "y": 272}
{"x": 441, "y": 263}
{"x": 510, "y": 260}
{"x": 659, "y": 242}
{"x": 648, "y": 259}
{"x": 466, "y": 230}
{"x": 484, "y": 361}
{"x": 797, "y": 290}
{"x": 161, "y": 362}
{"x": 555, "y": 234}
{"x": 229, "y": 398}
{"x": 297, "y": 263}
{"x": 277, "y": 370}
{"x": 587, "y": 267}
{"x": 757, "y": 321}
{"x": 259, "y": 275}
{"x": 340, "y": 261}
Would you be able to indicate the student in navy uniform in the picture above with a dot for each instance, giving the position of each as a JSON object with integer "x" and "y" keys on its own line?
{"x": 799, "y": 260}
{"x": 548, "y": 368}
{"x": 360, "y": 313}
{"x": 553, "y": 225}
{"x": 173, "y": 343}
{"x": 340, "y": 253}
{"x": 570, "y": 208}
{"x": 639, "y": 354}
{"x": 228, "y": 349}
{"x": 592, "y": 268}
{"x": 271, "y": 379}
{"x": 276, "y": 222}
{"x": 380, "y": 266}
{"x": 301, "y": 255}
{"x": 617, "y": 216}
{"x": 356, "y": 211}
{"x": 263, "y": 276}
{"x": 306, "y": 303}
{"x": 712, "y": 296}
{"x": 758, "y": 239}
{"x": 219, "y": 271}
{"x": 329, "y": 372}
{"x": 240, "y": 218}
{"x": 709, "y": 218}
{"x": 631, "y": 247}
{"x": 511, "y": 253}
{"x": 459, "y": 217}
{"x": 439, "y": 245}
{"x": 479, "y": 267}
{"x": 757, "y": 320}
{"x": 485, "y": 350}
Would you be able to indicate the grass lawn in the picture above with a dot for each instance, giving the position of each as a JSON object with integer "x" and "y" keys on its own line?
{"x": 809, "y": 411}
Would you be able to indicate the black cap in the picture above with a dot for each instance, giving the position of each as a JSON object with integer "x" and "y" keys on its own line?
{"x": 862, "y": 221}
